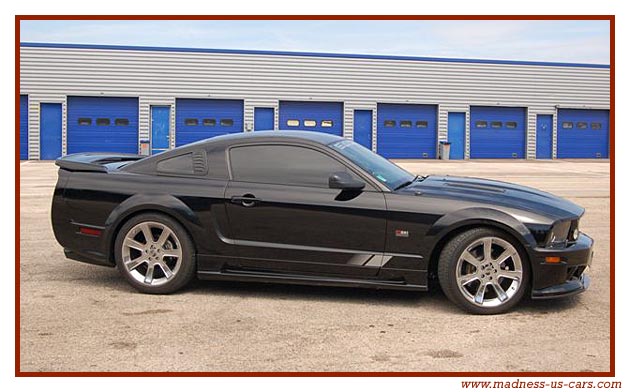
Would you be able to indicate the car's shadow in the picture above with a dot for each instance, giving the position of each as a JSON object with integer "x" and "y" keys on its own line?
{"x": 434, "y": 298}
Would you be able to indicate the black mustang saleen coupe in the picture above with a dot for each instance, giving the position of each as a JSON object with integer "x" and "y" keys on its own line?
{"x": 311, "y": 208}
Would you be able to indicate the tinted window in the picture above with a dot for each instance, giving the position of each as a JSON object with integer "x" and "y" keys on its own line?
{"x": 209, "y": 122}
{"x": 582, "y": 125}
{"x": 405, "y": 124}
{"x": 293, "y": 123}
{"x": 567, "y": 125}
{"x": 310, "y": 123}
{"x": 389, "y": 123}
{"x": 596, "y": 125}
{"x": 288, "y": 165}
{"x": 481, "y": 124}
{"x": 102, "y": 121}
{"x": 422, "y": 124}
{"x": 182, "y": 164}
{"x": 227, "y": 122}
{"x": 85, "y": 121}
{"x": 191, "y": 122}
{"x": 496, "y": 124}
{"x": 510, "y": 124}
{"x": 122, "y": 122}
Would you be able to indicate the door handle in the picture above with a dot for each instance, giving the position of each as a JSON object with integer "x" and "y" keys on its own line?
{"x": 247, "y": 200}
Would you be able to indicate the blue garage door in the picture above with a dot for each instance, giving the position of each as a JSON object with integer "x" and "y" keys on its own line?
{"x": 324, "y": 117}
{"x": 406, "y": 131}
{"x": 23, "y": 126}
{"x": 583, "y": 133}
{"x": 97, "y": 124}
{"x": 198, "y": 119}
{"x": 497, "y": 132}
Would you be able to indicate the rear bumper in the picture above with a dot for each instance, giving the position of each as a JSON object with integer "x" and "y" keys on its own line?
{"x": 554, "y": 280}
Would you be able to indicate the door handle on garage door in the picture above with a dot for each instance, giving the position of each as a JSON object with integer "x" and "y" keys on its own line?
{"x": 247, "y": 200}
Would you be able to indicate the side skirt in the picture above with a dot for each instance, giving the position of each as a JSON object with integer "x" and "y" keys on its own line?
{"x": 270, "y": 277}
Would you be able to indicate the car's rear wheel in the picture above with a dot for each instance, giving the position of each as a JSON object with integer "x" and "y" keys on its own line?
{"x": 484, "y": 271}
{"x": 155, "y": 254}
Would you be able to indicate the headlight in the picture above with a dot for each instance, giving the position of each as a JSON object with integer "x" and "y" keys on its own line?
{"x": 563, "y": 232}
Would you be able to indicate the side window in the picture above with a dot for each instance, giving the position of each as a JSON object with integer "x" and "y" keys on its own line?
{"x": 182, "y": 164}
{"x": 192, "y": 163}
{"x": 283, "y": 165}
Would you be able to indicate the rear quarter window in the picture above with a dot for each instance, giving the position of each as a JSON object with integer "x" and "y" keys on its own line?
{"x": 192, "y": 163}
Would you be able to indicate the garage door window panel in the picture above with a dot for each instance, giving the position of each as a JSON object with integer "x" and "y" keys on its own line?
{"x": 191, "y": 122}
{"x": 121, "y": 122}
{"x": 496, "y": 124}
{"x": 422, "y": 124}
{"x": 85, "y": 122}
{"x": 293, "y": 123}
{"x": 511, "y": 124}
{"x": 596, "y": 126}
{"x": 103, "y": 122}
{"x": 268, "y": 165}
{"x": 481, "y": 124}
{"x": 209, "y": 122}
{"x": 567, "y": 125}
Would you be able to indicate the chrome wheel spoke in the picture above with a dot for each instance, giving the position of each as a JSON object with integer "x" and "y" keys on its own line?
{"x": 172, "y": 253}
{"x": 168, "y": 273}
{"x": 146, "y": 231}
{"x": 504, "y": 256}
{"x": 487, "y": 249}
{"x": 148, "y": 276}
{"x": 166, "y": 232}
{"x": 479, "y": 295}
{"x": 500, "y": 292}
{"x": 130, "y": 242}
{"x": 470, "y": 258}
{"x": 512, "y": 275}
{"x": 135, "y": 263}
{"x": 467, "y": 279}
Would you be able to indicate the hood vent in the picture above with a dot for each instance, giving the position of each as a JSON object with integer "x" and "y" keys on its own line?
{"x": 465, "y": 185}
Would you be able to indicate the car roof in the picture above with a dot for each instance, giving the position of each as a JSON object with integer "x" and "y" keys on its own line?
{"x": 318, "y": 137}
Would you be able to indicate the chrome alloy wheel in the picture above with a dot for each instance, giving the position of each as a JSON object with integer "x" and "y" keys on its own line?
{"x": 489, "y": 272}
{"x": 151, "y": 253}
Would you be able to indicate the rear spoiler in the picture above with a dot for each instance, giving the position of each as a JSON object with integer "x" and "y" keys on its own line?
{"x": 93, "y": 162}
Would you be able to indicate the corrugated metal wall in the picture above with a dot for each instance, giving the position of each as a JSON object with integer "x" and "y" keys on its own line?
{"x": 158, "y": 77}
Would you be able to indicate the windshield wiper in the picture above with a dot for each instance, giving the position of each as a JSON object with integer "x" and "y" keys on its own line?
{"x": 407, "y": 183}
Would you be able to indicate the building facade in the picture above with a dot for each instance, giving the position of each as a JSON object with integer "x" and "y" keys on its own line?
{"x": 79, "y": 98}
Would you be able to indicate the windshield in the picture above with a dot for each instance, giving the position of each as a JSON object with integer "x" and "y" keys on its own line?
{"x": 384, "y": 171}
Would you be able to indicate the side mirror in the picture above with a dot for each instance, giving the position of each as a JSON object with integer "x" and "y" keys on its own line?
{"x": 344, "y": 181}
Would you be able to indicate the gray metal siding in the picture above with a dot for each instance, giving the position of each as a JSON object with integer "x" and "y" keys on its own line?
{"x": 263, "y": 80}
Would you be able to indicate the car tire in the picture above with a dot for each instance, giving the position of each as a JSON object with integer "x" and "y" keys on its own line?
{"x": 162, "y": 264}
{"x": 484, "y": 271}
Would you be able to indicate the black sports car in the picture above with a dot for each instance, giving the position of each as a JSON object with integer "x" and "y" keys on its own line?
{"x": 311, "y": 208}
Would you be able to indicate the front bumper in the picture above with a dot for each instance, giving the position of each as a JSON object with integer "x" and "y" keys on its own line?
{"x": 554, "y": 280}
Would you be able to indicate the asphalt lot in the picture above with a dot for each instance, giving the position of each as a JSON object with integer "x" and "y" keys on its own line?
{"x": 78, "y": 317}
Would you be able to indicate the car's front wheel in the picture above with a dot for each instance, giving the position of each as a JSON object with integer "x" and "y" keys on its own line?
{"x": 155, "y": 254}
{"x": 484, "y": 271}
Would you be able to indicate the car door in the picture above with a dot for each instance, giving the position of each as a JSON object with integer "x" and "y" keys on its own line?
{"x": 285, "y": 219}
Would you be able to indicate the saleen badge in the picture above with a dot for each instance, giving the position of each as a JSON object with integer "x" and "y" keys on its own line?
{"x": 402, "y": 233}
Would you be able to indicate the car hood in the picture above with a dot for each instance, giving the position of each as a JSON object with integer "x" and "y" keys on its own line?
{"x": 512, "y": 197}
